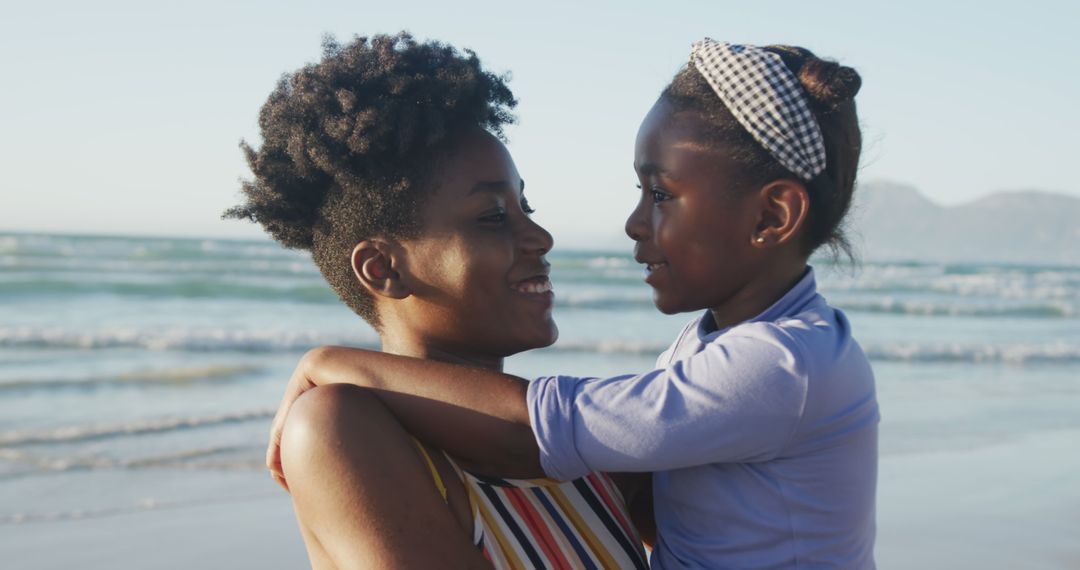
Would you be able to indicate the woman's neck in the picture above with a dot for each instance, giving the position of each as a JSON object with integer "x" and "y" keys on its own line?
{"x": 404, "y": 344}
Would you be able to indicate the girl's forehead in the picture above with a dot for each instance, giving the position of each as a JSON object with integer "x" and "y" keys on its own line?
{"x": 666, "y": 125}
{"x": 666, "y": 134}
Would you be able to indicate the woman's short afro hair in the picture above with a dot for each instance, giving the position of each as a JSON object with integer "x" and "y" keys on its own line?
{"x": 349, "y": 144}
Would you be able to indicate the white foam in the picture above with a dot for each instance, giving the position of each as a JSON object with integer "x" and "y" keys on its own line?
{"x": 173, "y": 339}
{"x": 180, "y": 375}
{"x": 1019, "y": 354}
{"x": 70, "y": 434}
{"x": 217, "y": 457}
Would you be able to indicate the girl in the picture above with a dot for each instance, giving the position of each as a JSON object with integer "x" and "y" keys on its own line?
{"x": 380, "y": 160}
{"x": 760, "y": 421}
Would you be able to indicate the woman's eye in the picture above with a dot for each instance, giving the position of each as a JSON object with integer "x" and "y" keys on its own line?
{"x": 494, "y": 217}
{"x": 525, "y": 207}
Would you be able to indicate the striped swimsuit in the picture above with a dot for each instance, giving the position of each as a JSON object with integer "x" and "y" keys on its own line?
{"x": 544, "y": 523}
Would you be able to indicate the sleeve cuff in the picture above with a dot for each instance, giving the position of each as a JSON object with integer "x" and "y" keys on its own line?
{"x": 552, "y": 415}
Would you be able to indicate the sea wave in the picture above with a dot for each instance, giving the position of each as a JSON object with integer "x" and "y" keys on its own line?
{"x": 225, "y": 340}
{"x": 138, "y": 378}
{"x": 251, "y": 341}
{"x": 148, "y": 504}
{"x": 593, "y": 292}
{"x": 228, "y": 457}
{"x": 311, "y": 291}
{"x": 893, "y": 306}
{"x": 605, "y": 299}
{"x": 52, "y": 266}
{"x": 148, "y": 248}
{"x": 194, "y": 340}
{"x": 628, "y": 347}
{"x": 1017, "y": 354}
{"x": 999, "y": 282}
{"x": 280, "y": 268}
{"x": 78, "y": 433}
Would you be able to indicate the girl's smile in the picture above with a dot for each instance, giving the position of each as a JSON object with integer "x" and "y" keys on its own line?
{"x": 653, "y": 271}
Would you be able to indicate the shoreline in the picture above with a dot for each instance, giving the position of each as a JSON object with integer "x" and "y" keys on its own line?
{"x": 1001, "y": 506}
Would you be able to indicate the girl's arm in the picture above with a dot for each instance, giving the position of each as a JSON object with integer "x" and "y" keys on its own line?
{"x": 740, "y": 399}
{"x": 477, "y": 415}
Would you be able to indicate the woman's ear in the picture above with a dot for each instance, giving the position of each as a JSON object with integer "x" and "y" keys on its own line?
{"x": 374, "y": 262}
{"x": 784, "y": 205}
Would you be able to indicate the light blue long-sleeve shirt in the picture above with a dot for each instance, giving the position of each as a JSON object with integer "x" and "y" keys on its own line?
{"x": 762, "y": 437}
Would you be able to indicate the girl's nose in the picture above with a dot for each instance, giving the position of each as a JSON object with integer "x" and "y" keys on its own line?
{"x": 638, "y": 225}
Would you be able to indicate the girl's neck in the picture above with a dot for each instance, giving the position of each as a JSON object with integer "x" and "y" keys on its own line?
{"x": 758, "y": 294}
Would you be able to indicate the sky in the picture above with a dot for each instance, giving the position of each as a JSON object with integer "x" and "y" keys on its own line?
{"x": 124, "y": 117}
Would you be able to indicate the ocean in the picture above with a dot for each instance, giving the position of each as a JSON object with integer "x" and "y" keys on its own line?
{"x": 141, "y": 373}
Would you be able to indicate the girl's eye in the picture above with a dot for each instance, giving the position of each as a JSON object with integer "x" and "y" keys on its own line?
{"x": 658, "y": 195}
{"x": 525, "y": 207}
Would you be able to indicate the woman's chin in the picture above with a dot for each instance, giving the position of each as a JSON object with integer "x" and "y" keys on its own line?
{"x": 553, "y": 335}
{"x": 544, "y": 337}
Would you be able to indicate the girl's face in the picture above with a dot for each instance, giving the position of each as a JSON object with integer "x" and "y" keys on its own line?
{"x": 692, "y": 230}
{"x": 477, "y": 270}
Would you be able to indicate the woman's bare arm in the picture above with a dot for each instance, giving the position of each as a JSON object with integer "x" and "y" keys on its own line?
{"x": 477, "y": 415}
{"x": 362, "y": 493}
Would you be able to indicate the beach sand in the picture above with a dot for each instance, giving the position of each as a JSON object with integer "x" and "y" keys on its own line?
{"x": 251, "y": 532}
{"x": 1007, "y": 506}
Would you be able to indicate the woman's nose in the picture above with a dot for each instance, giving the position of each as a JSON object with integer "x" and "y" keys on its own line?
{"x": 535, "y": 239}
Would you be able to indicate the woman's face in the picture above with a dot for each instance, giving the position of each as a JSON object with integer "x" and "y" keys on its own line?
{"x": 477, "y": 271}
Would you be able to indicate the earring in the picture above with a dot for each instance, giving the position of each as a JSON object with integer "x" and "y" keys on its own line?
{"x": 759, "y": 239}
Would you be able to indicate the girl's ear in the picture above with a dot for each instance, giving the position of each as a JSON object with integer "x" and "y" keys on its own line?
{"x": 374, "y": 262}
{"x": 784, "y": 205}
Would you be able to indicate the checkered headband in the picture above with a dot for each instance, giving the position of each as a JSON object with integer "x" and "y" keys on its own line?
{"x": 767, "y": 100}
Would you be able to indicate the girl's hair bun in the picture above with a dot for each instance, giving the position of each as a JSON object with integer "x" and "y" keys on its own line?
{"x": 828, "y": 83}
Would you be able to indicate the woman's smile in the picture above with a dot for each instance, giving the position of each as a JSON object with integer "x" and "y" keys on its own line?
{"x": 477, "y": 271}
{"x": 539, "y": 286}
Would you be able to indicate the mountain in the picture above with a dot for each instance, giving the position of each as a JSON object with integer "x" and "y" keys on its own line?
{"x": 892, "y": 221}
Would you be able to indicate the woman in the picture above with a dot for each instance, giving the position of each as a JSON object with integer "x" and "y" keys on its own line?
{"x": 384, "y": 161}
